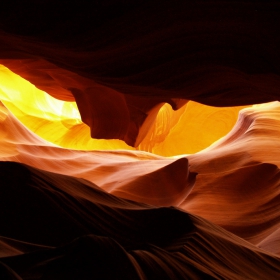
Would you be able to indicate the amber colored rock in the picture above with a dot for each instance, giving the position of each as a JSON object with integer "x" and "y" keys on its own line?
{"x": 78, "y": 211}
{"x": 227, "y": 55}
{"x": 88, "y": 233}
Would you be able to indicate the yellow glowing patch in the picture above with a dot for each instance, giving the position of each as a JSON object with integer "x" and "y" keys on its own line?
{"x": 56, "y": 121}
{"x": 188, "y": 130}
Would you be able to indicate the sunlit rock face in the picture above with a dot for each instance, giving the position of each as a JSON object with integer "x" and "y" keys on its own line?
{"x": 193, "y": 127}
{"x": 129, "y": 145}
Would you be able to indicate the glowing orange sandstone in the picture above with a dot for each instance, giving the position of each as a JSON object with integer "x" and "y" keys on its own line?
{"x": 54, "y": 120}
{"x": 240, "y": 169}
{"x": 188, "y": 130}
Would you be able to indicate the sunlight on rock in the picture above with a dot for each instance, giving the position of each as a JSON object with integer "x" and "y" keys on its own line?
{"x": 187, "y": 130}
{"x": 56, "y": 121}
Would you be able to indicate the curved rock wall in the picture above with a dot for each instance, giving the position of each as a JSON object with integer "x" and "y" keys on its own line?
{"x": 73, "y": 213}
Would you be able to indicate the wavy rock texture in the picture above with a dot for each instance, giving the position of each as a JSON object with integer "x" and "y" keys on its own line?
{"x": 224, "y": 179}
{"x": 243, "y": 169}
{"x": 113, "y": 238}
{"x": 59, "y": 122}
{"x": 73, "y": 211}
{"x": 140, "y": 55}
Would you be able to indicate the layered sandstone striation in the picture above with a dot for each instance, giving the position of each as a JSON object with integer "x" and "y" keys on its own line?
{"x": 134, "y": 150}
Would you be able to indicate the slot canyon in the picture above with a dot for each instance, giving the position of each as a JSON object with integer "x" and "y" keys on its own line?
{"x": 139, "y": 140}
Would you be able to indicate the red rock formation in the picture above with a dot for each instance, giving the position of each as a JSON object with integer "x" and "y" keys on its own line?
{"x": 217, "y": 54}
{"x": 75, "y": 214}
